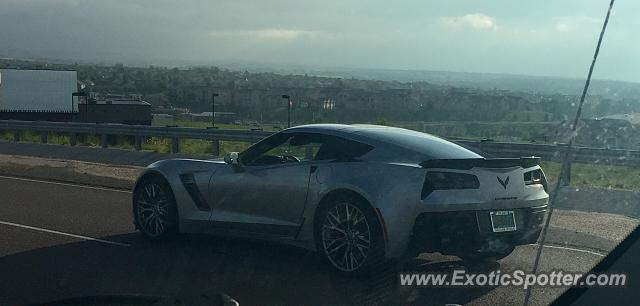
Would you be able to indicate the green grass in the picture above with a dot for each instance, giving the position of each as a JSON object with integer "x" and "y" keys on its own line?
{"x": 200, "y": 124}
{"x": 201, "y": 147}
{"x": 511, "y": 131}
{"x": 152, "y": 144}
{"x": 597, "y": 175}
{"x": 54, "y": 138}
{"x": 191, "y": 146}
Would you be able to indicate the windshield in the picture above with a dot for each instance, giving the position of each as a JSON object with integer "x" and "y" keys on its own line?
{"x": 315, "y": 152}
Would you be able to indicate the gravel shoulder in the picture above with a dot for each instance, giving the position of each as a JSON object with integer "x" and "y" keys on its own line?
{"x": 608, "y": 226}
{"x": 89, "y": 173}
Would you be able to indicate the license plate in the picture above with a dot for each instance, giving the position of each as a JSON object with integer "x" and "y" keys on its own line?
{"x": 503, "y": 221}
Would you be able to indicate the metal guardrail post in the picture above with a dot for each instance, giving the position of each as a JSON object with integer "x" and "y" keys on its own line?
{"x": 104, "y": 140}
{"x": 73, "y": 139}
{"x": 44, "y": 137}
{"x": 215, "y": 147}
{"x": 138, "y": 143}
{"x": 175, "y": 145}
{"x": 16, "y": 135}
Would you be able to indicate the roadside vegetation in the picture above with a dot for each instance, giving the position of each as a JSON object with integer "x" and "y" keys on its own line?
{"x": 499, "y": 131}
{"x": 594, "y": 175}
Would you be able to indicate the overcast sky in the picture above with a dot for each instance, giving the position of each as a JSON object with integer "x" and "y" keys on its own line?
{"x": 522, "y": 37}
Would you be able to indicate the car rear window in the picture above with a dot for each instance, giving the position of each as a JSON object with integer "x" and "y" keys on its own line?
{"x": 429, "y": 146}
{"x": 336, "y": 148}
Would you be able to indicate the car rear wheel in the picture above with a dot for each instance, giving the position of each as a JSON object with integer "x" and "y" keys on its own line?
{"x": 154, "y": 209}
{"x": 349, "y": 235}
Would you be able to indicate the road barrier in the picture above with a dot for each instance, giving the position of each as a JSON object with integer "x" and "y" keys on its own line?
{"x": 554, "y": 152}
{"x": 551, "y": 152}
{"x": 74, "y": 129}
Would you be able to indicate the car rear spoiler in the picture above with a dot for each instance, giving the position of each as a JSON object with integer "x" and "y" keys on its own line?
{"x": 468, "y": 163}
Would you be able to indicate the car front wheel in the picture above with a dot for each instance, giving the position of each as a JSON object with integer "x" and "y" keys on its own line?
{"x": 154, "y": 209}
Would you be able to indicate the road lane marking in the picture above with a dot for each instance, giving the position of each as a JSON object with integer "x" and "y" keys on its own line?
{"x": 571, "y": 249}
{"x": 63, "y": 184}
{"x": 64, "y": 234}
{"x": 126, "y": 191}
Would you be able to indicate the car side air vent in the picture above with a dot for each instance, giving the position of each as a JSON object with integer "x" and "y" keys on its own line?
{"x": 191, "y": 186}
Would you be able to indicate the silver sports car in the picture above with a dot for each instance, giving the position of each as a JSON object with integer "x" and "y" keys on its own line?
{"x": 357, "y": 194}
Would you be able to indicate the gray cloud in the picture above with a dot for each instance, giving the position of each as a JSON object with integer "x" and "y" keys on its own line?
{"x": 539, "y": 37}
{"x": 473, "y": 21}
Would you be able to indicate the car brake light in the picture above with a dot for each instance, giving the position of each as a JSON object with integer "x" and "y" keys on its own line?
{"x": 535, "y": 177}
{"x": 438, "y": 180}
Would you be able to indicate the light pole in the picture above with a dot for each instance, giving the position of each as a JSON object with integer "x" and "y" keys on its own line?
{"x": 288, "y": 97}
{"x": 213, "y": 109}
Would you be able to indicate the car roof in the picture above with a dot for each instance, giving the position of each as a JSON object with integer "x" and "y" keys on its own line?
{"x": 427, "y": 144}
{"x": 346, "y": 128}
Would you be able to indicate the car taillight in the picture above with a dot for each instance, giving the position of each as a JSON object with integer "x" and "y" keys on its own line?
{"x": 437, "y": 180}
{"x": 535, "y": 177}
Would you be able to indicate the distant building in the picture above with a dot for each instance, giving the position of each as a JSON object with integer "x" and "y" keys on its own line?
{"x": 126, "y": 109}
{"x": 44, "y": 95}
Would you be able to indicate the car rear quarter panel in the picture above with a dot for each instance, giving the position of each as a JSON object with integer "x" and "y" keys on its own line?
{"x": 392, "y": 189}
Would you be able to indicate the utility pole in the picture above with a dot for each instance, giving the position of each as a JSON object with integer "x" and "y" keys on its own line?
{"x": 213, "y": 109}
{"x": 288, "y": 97}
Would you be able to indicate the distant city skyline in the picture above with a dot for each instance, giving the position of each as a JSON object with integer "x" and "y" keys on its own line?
{"x": 543, "y": 38}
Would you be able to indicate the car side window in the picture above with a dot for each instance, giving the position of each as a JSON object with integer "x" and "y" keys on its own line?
{"x": 283, "y": 148}
{"x": 298, "y": 147}
{"x": 302, "y": 146}
{"x": 253, "y": 153}
{"x": 337, "y": 148}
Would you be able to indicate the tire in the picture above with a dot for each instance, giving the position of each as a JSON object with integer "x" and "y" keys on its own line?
{"x": 351, "y": 244}
{"x": 154, "y": 209}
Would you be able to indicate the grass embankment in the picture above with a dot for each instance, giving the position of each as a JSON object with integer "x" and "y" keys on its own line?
{"x": 153, "y": 144}
{"x": 511, "y": 131}
{"x": 597, "y": 175}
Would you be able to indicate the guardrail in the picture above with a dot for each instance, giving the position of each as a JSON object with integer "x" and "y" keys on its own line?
{"x": 74, "y": 129}
{"x": 499, "y": 149}
{"x": 554, "y": 152}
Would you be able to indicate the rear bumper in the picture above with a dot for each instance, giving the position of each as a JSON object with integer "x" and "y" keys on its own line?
{"x": 462, "y": 232}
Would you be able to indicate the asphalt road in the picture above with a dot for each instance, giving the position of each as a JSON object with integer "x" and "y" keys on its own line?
{"x": 59, "y": 241}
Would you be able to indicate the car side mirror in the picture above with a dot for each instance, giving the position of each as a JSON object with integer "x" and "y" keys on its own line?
{"x": 231, "y": 158}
